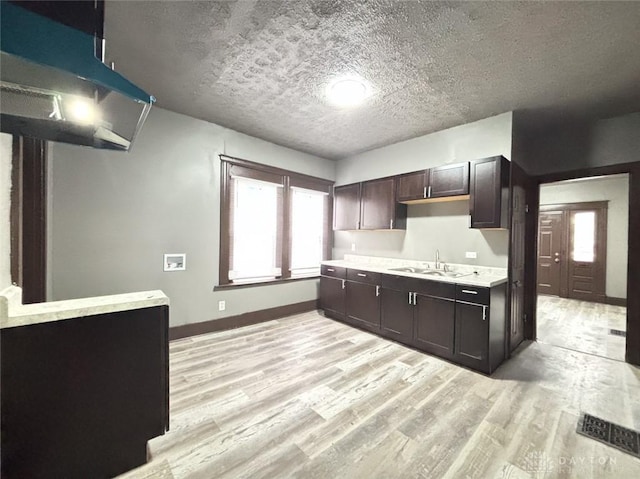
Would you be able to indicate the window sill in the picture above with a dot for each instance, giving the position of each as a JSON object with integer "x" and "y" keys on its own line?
{"x": 265, "y": 282}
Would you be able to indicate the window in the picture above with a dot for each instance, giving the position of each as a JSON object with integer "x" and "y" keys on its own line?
{"x": 584, "y": 236}
{"x": 274, "y": 223}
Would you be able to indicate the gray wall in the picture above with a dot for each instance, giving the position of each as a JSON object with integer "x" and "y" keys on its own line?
{"x": 5, "y": 209}
{"x": 443, "y": 226}
{"x": 606, "y": 142}
{"x": 114, "y": 215}
{"x": 615, "y": 190}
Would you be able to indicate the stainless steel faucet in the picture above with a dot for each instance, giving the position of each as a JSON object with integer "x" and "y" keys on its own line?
{"x": 437, "y": 259}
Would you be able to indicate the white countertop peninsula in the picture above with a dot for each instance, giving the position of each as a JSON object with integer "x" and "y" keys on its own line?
{"x": 13, "y": 313}
{"x": 472, "y": 275}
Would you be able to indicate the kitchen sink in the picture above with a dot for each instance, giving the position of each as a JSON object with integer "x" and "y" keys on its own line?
{"x": 447, "y": 274}
{"x": 409, "y": 269}
{"x": 430, "y": 272}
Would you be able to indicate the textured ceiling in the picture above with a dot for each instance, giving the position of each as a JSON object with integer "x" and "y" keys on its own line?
{"x": 261, "y": 67}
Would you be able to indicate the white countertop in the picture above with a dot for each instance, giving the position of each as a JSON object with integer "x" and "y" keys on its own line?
{"x": 473, "y": 275}
{"x": 13, "y": 313}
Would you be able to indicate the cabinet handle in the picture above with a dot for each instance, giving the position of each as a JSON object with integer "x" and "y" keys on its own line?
{"x": 410, "y": 298}
{"x": 391, "y": 225}
{"x": 343, "y": 284}
{"x": 414, "y": 298}
{"x": 330, "y": 270}
{"x": 362, "y": 275}
{"x": 468, "y": 291}
{"x": 484, "y": 313}
{"x": 424, "y": 193}
{"x": 377, "y": 290}
{"x": 429, "y": 193}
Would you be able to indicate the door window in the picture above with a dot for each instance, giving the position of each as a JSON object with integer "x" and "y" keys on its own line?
{"x": 584, "y": 236}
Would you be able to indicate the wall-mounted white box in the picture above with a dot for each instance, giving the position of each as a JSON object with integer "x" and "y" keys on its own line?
{"x": 471, "y": 254}
{"x": 175, "y": 262}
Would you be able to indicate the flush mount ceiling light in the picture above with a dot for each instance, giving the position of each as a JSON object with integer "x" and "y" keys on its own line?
{"x": 347, "y": 91}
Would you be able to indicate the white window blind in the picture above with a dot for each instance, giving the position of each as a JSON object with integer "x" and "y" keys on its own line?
{"x": 254, "y": 230}
{"x": 307, "y": 230}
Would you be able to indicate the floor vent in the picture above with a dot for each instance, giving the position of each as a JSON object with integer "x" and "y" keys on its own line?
{"x": 611, "y": 434}
{"x": 618, "y": 332}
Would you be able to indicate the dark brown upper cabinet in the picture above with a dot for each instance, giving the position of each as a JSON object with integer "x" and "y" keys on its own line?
{"x": 369, "y": 205}
{"x": 449, "y": 180}
{"x": 413, "y": 186}
{"x": 442, "y": 183}
{"x": 489, "y": 193}
{"x": 346, "y": 207}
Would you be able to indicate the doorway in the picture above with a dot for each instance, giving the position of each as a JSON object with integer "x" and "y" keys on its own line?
{"x": 582, "y": 264}
{"x": 572, "y": 250}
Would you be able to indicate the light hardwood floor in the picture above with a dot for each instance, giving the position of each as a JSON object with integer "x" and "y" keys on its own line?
{"x": 582, "y": 326}
{"x": 309, "y": 397}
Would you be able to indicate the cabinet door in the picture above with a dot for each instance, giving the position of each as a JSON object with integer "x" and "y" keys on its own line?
{"x": 378, "y": 204}
{"x": 396, "y": 315}
{"x": 332, "y": 297}
{"x": 363, "y": 305}
{"x": 449, "y": 180}
{"x": 472, "y": 335}
{"x": 489, "y": 190}
{"x": 434, "y": 325}
{"x": 412, "y": 186}
{"x": 346, "y": 207}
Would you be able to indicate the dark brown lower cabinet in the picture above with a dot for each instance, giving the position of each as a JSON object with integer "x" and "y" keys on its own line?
{"x": 434, "y": 325}
{"x": 471, "y": 334}
{"x": 396, "y": 314}
{"x": 81, "y": 397}
{"x": 332, "y": 296}
{"x": 363, "y": 305}
{"x": 464, "y": 324}
{"x": 480, "y": 327}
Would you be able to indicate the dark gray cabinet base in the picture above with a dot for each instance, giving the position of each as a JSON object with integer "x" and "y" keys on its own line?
{"x": 81, "y": 397}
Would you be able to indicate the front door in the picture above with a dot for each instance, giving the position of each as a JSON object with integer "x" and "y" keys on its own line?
{"x": 550, "y": 251}
{"x": 572, "y": 240}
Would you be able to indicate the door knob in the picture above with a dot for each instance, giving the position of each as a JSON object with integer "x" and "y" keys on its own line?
{"x": 557, "y": 254}
{"x": 557, "y": 260}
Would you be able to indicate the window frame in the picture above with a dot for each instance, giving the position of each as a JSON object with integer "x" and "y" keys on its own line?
{"x": 240, "y": 167}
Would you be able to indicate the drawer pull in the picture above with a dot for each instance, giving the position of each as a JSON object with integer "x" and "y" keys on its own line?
{"x": 468, "y": 291}
{"x": 330, "y": 270}
{"x": 362, "y": 275}
{"x": 377, "y": 290}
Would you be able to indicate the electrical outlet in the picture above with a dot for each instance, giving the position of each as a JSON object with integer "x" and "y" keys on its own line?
{"x": 353, "y": 246}
{"x": 471, "y": 254}
{"x": 222, "y": 305}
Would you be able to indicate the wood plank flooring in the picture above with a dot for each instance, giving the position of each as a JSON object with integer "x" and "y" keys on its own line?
{"x": 308, "y": 397}
{"x": 582, "y": 326}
